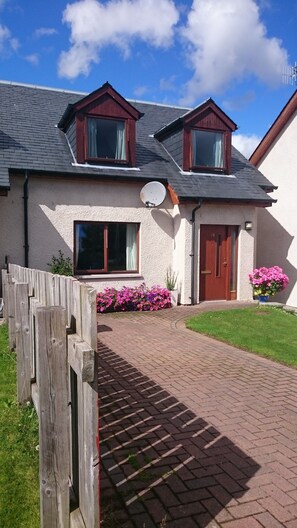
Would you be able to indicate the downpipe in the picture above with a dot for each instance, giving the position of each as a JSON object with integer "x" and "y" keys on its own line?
{"x": 26, "y": 222}
{"x": 192, "y": 254}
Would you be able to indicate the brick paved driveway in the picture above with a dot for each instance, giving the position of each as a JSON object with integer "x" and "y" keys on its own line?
{"x": 192, "y": 430}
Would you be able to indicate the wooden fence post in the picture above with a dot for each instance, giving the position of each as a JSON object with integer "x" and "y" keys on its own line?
{"x": 4, "y": 293}
{"x": 53, "y": 415}
{"x": 11, "y": 311}
{"x": 87, "y": 401}
{"x": 22, "y": 337}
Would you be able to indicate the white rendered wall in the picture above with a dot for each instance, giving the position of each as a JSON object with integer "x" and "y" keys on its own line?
{"x": 218, "y": 215}
{"x": 54, "y": 205}
{"x": 277, "y": 226}
{"x": 165, "y": 232}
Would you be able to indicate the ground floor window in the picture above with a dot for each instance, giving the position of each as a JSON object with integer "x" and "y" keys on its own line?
{"x": 101, "y": 247}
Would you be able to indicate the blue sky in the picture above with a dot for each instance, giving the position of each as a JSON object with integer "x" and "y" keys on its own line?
{"x": 167, "y": 51}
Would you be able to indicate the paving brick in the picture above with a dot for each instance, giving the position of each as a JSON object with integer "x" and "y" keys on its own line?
{"x": 185, "y": 522}
{"x": 186, "y": 510}
{"x": 216, "y": 511}
{"x": 238, "y": 453}
{"x": 268, "y": 521}
{"x": 284, "y": 499}
{"x": 205, "y": 520}
{"x": 249, "y": 522}
{"x": 291, "y": 524}
{"x": 276, "y": 510}
{"x": 228, "y": 483}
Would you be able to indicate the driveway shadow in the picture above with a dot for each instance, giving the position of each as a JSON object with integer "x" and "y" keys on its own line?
{"x": 160, "y": 461}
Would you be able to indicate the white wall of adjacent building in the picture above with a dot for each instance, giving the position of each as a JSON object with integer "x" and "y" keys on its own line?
{"x": 277, "y": 226}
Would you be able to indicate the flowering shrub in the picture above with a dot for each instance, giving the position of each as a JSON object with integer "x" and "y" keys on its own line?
{"x": 268, "y": 281}
{"x": 128, "y": 299}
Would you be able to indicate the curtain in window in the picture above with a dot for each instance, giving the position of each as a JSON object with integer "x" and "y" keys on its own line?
{"x": 194, "y": 147}
{"x": 131, "y": 247}
{"x": 120, "y": 152}
{"x": 92, "y": 138}
{"x": 217, "y": 150}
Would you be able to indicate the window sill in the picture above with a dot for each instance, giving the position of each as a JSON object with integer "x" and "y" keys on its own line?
{"x": 110, "y": 276}
{"x": 201, "y": 173}
{"x": 114, "y": 167}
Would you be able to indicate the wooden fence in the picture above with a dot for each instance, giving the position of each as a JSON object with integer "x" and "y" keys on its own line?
{"x": 52, "y": 327}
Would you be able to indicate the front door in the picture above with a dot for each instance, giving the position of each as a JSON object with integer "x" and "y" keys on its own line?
{"x": 215, "y": 262}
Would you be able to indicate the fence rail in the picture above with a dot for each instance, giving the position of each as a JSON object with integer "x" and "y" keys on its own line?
{"x": 52, "y": 327}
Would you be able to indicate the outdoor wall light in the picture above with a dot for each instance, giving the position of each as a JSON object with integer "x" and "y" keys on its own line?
{"x": 248, "y": 225}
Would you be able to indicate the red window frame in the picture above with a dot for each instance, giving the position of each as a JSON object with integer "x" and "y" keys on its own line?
{"x": 104, "y": 270}
{"x": 109, "y": 161}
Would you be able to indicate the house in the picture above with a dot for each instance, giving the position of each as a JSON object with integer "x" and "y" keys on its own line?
{"x": 72, "y": 167}
{"x": 275, "y": 156}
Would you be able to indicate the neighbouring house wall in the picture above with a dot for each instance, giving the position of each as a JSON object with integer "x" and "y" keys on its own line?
{"x": 54, "y": 205}
{"x": 12, "y": 224}
{"x": 217, "y": 215}
{"x": 277, "y": 226}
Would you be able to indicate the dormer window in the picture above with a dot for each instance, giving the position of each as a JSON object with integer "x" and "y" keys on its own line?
{"x": 106, "y": 139}
{"x": 100, "y": 128}
{"x": 207, "y": 149}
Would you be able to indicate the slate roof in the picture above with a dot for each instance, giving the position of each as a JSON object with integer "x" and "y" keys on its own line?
{"x": 31, "y": 140}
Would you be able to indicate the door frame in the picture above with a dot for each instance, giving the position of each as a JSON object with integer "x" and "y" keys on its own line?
{"x": 232, "y": 232}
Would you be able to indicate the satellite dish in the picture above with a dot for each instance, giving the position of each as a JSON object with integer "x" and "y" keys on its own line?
{"x": 153, "y": 194}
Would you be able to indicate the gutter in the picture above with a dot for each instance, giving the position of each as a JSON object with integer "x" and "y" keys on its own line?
{"x": 26, "y": 223}
{"x": 192, "y": 254}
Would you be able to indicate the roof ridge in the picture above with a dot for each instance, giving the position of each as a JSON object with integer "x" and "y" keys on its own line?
{"x": 77, "y": 92}
{"x": 159, "y": 104}
{"x": 39, "y": 87}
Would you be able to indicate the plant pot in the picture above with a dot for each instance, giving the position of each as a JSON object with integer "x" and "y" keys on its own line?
{"x": 174, "y": 297}
{"x": 263, "y": 298}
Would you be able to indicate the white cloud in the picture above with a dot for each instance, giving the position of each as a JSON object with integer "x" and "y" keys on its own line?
{"x": 33, "y": 59}
{"x": 168, "y": 84}
{"x": 44, "y": 32}
{"x": 140, "y": 90}
{"x": 95, "y": 24}
{"x": 7, "y": 42}
{"x": 225, "y": 40}
{"x": 245, "y": 144}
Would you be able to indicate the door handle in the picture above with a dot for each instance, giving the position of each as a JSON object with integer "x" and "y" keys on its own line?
{"x": 205, "y": 272}
{"x": 225, "y": 263}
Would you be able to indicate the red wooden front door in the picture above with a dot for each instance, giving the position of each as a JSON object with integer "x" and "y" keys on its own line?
{"x": 214, "y": 263}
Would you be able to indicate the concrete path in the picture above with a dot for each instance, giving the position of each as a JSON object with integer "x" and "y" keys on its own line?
{"x": 194, "y": 433}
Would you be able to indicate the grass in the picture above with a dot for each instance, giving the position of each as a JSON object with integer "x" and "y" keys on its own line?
{"x": 19, "y": 497}
{"x": 267, "y": 331}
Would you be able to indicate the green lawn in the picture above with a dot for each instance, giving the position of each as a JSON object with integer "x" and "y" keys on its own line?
{"x": 19, "y": 485}
{"x": 266, "y": 331}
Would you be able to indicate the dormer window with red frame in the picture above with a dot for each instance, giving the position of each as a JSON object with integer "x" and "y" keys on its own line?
{"x": 101, "y": 128}
{"x": 208, "y": 149}
{"x": 207, "y": 132}
{"x": 106, "y": 139}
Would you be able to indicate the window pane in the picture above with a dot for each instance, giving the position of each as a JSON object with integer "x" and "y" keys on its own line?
{"x": 207, "y": 149}
{"x": 122, "y": 247}
{"x": 89, "y": 247}
{"x": 106, "y": 139}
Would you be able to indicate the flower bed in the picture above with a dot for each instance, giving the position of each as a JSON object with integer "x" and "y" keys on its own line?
{"x": 268, "y": 281}
{"x": 128, "y": 299}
